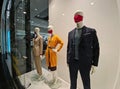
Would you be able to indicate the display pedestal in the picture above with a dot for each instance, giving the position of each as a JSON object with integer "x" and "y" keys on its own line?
{"x": 31, "y": 80}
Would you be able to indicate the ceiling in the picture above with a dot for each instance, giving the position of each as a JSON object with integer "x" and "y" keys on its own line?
{"x": 38, "y": 13}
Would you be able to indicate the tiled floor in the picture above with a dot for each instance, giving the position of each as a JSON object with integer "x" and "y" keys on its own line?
{"x": 30, "y": 81}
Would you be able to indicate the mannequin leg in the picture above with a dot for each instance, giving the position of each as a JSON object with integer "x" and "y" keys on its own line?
{"x": 38, "y": 65}
{"x": 55, "y": 83}
{"x": 73, "y": 69}
{"x": 85, "y": 75}
{"x": 54, "y": 76}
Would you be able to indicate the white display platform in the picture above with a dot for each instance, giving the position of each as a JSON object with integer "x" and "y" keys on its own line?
{"x": 30, "y": 81}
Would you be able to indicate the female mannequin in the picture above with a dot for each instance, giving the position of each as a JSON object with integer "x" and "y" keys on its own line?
{"x": 54, "y": 45}
{"x": 37, "y": 49}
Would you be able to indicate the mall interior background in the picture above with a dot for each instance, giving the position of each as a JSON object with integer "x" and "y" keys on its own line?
{"x": 104, "y": 16}
{"x": 38, "y": 18}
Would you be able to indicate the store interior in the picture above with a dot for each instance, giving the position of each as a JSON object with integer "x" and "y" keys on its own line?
{"x": 102, "y": 15}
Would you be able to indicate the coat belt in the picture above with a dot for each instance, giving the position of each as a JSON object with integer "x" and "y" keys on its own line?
{"x": 51, "y": 47}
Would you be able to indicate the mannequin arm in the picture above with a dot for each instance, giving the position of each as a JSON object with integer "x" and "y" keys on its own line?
{"x": 41, "y": 46}
{"x": 41, "y": 57}
{"x": 60, "y": 43}
{"x": 93, "y": 69}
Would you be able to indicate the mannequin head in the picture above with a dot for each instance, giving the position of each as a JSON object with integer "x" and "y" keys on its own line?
{"x": 37, "y": 30}
{"x": 78, "y": 18}
{"x": 50, "y": 30}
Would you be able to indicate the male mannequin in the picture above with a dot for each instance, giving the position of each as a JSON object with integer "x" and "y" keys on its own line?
{"x": 54, "y": 45}
{"x": 37, "y": 49}
{"x": 80, "y": 25}
{"x": 82, "y": 52}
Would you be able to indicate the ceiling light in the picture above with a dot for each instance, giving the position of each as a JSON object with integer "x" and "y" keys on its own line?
{"x": 36, "y": 9}
{"x": 24, "y": 12}
{"x": 92, "y": 3}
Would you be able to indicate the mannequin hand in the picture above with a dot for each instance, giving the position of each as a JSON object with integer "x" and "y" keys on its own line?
{"x": 55, "y": 50}
{"x": 93, "y": 69}
{"x": 41, "y": 56}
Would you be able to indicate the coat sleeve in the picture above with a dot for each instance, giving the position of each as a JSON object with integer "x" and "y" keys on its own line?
{"x": 95, "y": 49}
{"x": 60, "y": 42}
{"x": 41, "y": 45}
{"x": 68, "y": 47}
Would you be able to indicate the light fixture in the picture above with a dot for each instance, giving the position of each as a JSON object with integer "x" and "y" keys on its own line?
{"x": 92, "y": 3}
{"x": 24, "y": 12}
{"x": 36, "y": 9}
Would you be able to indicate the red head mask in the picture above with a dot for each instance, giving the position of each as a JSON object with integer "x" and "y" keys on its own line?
{"x": 50, "y": 31}
{"x": 78, "y": 18}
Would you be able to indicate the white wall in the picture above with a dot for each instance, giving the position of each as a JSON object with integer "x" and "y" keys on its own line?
{"x": 117, "y": 82}
{"x": 103, "y": 16}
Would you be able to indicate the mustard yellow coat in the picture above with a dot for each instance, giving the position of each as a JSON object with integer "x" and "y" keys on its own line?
{"x": 51, "y": 56}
